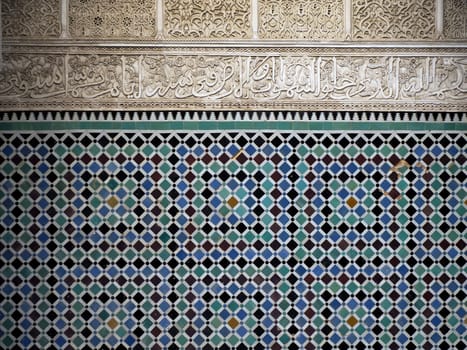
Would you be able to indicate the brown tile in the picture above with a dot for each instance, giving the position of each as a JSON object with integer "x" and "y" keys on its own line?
{"x": 112, "y": 201}
{"x": 113, "y": 323}
{"x": 233, "y": 323}
{"x": 352, "y": 202}
{"x": 352, "y": 321}
{"x": 232, "y": 202}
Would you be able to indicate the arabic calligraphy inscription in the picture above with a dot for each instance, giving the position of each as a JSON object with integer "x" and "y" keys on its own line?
{"x": 32, "y": 76}
{"x": 226, "y": 77}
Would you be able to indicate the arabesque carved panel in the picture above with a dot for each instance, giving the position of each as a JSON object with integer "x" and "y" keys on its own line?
{"x": 190, "y": 78}
{"x": 113, "y": 19}
{"x": 393, "y": 19}
{"x": 301, "y": 19}
{"x": 455, "y": 19}
{"x": 198, "y": 19}
{"x": 31, "y": 18}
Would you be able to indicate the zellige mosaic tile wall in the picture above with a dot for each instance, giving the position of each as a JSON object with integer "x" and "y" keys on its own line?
{"x": 241, "y": 239}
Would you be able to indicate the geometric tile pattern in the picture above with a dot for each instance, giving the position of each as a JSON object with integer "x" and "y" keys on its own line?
{"x": 233, "y": 240}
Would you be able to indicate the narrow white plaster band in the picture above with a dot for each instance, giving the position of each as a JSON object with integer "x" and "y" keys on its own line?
{"x": 440, "y": 18}
{"x": 160, "y": 19}
{"x": 254, "y": 18}
{"x": 348, "y": 19}
{"x": 65, "y": 32}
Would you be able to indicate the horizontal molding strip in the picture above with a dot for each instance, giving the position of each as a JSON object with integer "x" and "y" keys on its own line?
{"x": 210, "y": 126}
{"x": 246, "y": 43}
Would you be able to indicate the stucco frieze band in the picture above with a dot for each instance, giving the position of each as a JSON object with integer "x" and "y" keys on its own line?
{"x": 233, "y": 78}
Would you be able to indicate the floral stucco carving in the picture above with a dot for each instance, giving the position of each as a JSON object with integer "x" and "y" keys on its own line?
{"x": 455, "y": 19}
{"x": 112, "y": 19}
{"x": 300, "y": 19}
{"x": 31, "y": 18}
{"x": 393, "y": 19}
{"x": 198, "y": 19}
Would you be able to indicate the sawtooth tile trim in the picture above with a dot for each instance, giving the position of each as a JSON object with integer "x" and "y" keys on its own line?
{"x": 311, "y": 117}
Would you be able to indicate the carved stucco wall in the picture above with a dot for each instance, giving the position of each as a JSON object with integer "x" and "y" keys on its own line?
{"x": 215, "y": 19}
{"x": 31, "y": 18}
{"x": 207, "y": 19}
{"x": 301, "y": 19}
{"x": 393, "y": 19}
{"x": 455, "y": 19}
{"x": 112, "y": 19}
{"x": 275, "y": 54}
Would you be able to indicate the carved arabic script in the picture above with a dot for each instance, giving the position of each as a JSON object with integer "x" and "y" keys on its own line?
{"x": 228, "y": 77}
{"x": 32, "y": 76}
